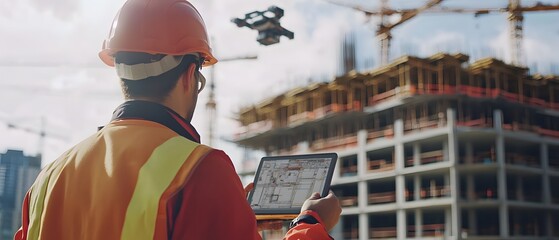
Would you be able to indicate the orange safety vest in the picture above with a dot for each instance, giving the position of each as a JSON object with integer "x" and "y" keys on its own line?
{"x": 69, "y": 198}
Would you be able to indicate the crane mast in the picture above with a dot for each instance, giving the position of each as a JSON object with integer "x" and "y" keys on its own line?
{"x": 211, "y": 108}
{"x": 383, "y": 34}
{"x": 384, "y": 29}
{"x": 516, "y": 20}
{"x": 514, "y": 10}
{"x": 211, "y": 104}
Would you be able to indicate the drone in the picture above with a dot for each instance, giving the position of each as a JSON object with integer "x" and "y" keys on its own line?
{"x": 267, "y": 24}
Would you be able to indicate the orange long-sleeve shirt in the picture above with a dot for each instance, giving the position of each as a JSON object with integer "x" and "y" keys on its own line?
{"x": 211, "y": 204}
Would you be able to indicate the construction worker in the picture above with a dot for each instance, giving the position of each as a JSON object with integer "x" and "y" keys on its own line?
{"x": 145, "y": 175}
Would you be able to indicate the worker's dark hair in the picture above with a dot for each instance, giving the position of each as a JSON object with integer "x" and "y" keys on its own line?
{"x": 156, "y": 88}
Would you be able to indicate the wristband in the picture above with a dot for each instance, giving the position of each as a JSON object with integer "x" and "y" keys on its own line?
{"x": 303, "y": 218}
{"x": 307, "y": 216}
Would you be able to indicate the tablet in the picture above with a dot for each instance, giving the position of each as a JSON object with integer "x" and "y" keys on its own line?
{"x": 283, "y": 183}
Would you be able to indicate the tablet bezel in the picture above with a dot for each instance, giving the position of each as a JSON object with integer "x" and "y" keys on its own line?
{"x": 325, "y": 190}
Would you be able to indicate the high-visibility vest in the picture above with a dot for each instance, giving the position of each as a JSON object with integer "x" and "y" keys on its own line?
{"x": 113, "y": 185}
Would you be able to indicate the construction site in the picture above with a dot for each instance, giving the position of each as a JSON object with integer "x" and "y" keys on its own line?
{"x": 441, "y": 147}
{"x": 445, "y": 127}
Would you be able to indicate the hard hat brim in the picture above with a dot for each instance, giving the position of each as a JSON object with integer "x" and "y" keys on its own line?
{"x": 107, "y": 58}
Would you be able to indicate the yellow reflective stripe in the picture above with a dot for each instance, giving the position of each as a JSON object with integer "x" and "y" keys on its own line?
{"x": 36, "y": 203}
{"x": 154, "y": 177}
{"x": 39, "y": 191}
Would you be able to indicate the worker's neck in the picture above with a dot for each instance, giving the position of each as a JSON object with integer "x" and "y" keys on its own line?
{"x": 167, "y": 103}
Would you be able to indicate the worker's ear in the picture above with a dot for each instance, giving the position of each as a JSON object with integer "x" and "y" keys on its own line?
{"x": 188, "y": 78}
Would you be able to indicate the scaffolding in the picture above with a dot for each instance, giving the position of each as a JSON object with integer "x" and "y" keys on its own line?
{"x": 369, "y": 98}
{"x": 428, "y": 147}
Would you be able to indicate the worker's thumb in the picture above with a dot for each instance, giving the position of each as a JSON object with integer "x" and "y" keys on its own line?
{"x": 330, "y": 194}
{"x": 315, "y": 196}
{"x": 248, "y": 188}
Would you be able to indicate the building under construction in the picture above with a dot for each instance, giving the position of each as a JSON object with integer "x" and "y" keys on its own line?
{"x": 433, "y": 147}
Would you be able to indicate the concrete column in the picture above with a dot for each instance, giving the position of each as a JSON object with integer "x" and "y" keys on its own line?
{"x": 362, "y": 188}
{"x": 398, "y": 128}
{"x": 399, "y": 148}
{"x": 454, "y": 177}
{"x": 498, "y": 119}
{"x": 361, "y": 154}
{"x": 362, "y": 194}
{"x": 546, "y": 189}
{"x": 401, "y": 227}
{"x": 363, "y": 226}
{"x": 448, "y": 223}
{"x": 416, "y": 187}
{"x": 501, "y": 175}
{"x": 400, "y": 190}
{"x": 418, "y": 223}
{"x": 455, "y": 218}
{"x": 472, "y": 222}
{"x": 451, "y": 117}
{"x": 503, "y": 218}
{"x": 400, "y": 181}
{"x": 416, "y": 154}
{"x": 445, "y": 151}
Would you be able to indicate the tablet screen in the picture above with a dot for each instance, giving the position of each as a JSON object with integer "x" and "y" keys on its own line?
{"x": 282, "y": 184}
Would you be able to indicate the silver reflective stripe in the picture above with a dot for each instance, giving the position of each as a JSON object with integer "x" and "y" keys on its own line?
{"x": 145, "y": 70}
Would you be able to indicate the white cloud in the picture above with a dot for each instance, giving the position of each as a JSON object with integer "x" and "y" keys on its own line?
{"x": 428, "y": 45}
{"x": 62, "y": 9}
{"x": 52, "y": 35}
{"x": 539, "y": 52}
{"x": 501, "y": 46}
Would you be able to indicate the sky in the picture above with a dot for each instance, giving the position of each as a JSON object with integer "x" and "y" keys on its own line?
{"x": 49, "y": 67}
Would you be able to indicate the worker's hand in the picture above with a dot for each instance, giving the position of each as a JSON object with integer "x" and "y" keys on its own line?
{"x": 328, "y": 208}
{"x": 248, "y": 188}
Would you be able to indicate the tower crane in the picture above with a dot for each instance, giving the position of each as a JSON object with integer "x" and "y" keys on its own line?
{"x": 42, "y": 133}
{"x": 514, "y": 10}
{"x": 211, "y": 104}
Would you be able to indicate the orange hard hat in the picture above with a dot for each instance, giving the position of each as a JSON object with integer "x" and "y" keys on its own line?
{"x": 171, "y": 27}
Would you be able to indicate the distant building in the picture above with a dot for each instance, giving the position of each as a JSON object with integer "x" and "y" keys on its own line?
{"x": 17, "y": 174}
{"x": 430, "y": 148}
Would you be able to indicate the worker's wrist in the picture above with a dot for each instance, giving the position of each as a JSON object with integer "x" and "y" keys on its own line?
{"x": 312, "y": 213}
{"x": 308, "y": 213}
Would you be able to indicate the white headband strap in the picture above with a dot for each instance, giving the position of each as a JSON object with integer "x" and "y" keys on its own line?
{"x": 145, "y": 70}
